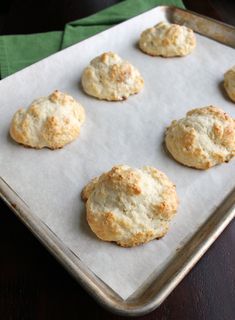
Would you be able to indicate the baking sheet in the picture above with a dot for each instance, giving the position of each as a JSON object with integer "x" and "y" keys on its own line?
{"x": 129, "y": 132}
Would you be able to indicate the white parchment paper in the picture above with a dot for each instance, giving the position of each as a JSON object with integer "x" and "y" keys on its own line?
{"x": 129, "y": 132}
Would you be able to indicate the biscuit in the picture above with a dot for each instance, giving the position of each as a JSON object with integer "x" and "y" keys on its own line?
{"x": 109, "y": 77}
{"x": 130, "y": 206}
{"x": 203, "y": 139}
{"x": 167, "y": 40}
{"x": 229, "y": 83}
{"x": 50, "y": 122}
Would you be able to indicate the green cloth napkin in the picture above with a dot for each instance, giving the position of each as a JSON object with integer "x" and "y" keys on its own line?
{"x": 20, "y": 51}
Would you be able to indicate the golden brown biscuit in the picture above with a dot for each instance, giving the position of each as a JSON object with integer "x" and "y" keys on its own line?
{"x": 108, "y": 77}
{"x": 49, "y": 122}
{"x": 130, "y": 206}
{"x": 203, "y": 139}
{"x": 229, "y": 83}
{"x": 167, "y": 40}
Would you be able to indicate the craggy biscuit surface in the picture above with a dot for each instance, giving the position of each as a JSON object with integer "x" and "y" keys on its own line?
{"x": 229, "y": 83}
{"x": 130, "y": 206}
{"x": 109, "y": 77}
{"x": 49, "y": 122}
{"x": 204, "y": 138}
{"x": 167, "y": 40}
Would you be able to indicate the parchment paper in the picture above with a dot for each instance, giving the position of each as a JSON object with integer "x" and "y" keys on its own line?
{"x": 129, "y": 132}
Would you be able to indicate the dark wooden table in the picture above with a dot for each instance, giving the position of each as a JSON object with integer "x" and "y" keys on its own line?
{"x": 34, "y": 286}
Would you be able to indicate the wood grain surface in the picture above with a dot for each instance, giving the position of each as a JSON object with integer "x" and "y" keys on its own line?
{"x": 34, "y": 286}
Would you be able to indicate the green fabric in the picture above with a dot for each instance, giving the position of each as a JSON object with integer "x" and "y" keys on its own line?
{"x": 20, "y": 51}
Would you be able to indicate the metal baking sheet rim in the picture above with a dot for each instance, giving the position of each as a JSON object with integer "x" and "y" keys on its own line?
{"x": 155, "y": 292}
